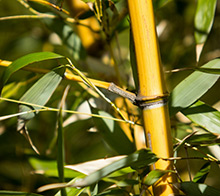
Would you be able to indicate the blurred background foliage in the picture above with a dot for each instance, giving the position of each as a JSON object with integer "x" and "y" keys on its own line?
{"x": 18, "y": 37}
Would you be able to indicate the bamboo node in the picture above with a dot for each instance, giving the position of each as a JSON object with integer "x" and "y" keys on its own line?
{"x": 150, "y": 102}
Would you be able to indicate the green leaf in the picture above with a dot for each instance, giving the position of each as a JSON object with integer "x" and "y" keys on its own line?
{"x": 202, "y": 173}
{"x": 139, "y": 159}
{"x": 61, "y": 151}
{"x": 194, "y": 189}
{"x": 160, "y": 3}
{"x": 133, "y": 60}
{"x": 154, "y": 176}
{"x": 14, "y": 193}
{"x": 24, "y": 61}
{"x": 204, "y": 115}
{"x": 115, "y": 191}
{"x": 49, "y": 168}
{"x": 127, "y": 182}
{"x": 113, "y": 134}
{"x": 192, "y": 87}
{"x": 40, "y": 92}
{"x": 208, "y": 70}
{"x": 204, "y": 18}
{"x": 203, "y": 139}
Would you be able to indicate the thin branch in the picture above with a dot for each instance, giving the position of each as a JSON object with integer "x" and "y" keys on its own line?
{"x": 44, "y": 108}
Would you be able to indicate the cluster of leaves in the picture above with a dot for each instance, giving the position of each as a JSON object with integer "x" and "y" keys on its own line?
{"x": 123, "y": 173}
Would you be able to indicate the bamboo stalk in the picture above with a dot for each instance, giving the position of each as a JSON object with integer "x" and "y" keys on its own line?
{"x": 152, "y": 85}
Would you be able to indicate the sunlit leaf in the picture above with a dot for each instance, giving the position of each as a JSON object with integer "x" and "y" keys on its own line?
{"x": 138, "y": 159}
{"x": 40, "y": 92}
{"x": 204, "y": 18}
{"x": 202, "y": 173}
{"x": 49, "y": 168}
{"x": 204, "y": 115}
{"x": 193, "y": 87}
{"x": 203, "y": 21}
{"x": 24, "y": 61}
{"x": 14, "y": 193}
{"x": 92, "y": 166}
{"x": 194, "y": 189}
{"x": 113, "y": 134}
{"x": 154, "y": 176}
{"x": 127, "y": 182}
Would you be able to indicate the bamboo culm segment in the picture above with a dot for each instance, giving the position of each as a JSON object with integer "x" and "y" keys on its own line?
{"x": 152, "y": 84}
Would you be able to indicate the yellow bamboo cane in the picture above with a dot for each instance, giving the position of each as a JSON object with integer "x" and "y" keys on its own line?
{"x": 152, "y": 94}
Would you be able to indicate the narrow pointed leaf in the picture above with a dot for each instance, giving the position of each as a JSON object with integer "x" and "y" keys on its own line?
{"x": 139, "y": 159}
{"x": 205, "y": 116}
{"x": 113, "y": 134}
{"x": 49, "y": 168}
{"x": 209, "y": 70}
{"x": 203, "y": 139}
{"x": 193, "y": 87}
{"x": 26, "y": 60}
{"x": 40, "y": 92}
{"x": 204, "y": 18}
{"x": 194, "y": 189}
{"x": 14, "y": 193}
{"x": 154, "y": 176}
{"x": 202, "y": 173}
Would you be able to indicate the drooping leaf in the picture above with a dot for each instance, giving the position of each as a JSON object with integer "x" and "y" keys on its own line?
{"x": 202, "y": 173}
{"x": 203, "y": 21}
{"x": 40, "y": 92}
{"x": 26, "y": 60}
{"x": 193, "y": 87}
{"x": 14, "y": 193}
{"x": 196, "y": 189}
{"x": 154, "y": 176}
{"x": 204, "y": 115}
{"x": 113, "y": 134}
{"x": 139, "y": 159}
{"x": 204, "y": 18}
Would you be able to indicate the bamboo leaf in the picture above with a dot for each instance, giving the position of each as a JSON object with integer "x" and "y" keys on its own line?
{"x": 203, "y": 139}
{"x": 61, "y": 151}
{"x": 194, "y": 189}
{"x": 14, "y": 193}
{"x": 202, "y": 173}
{"x": 39, "y": 94}
{"x": 133, "y": 60}
{"x": 204, "y": 115}
{"x": 154, "y": 176}
{"x": 208, "y": 70}
{"x": 115, "y": 191}
{"x": 24, "y": 61}
{"x": 139, "y": 159}
{"x": 113, "y": 134}
{"x": 49, "y": 168}
{"x": 204, "y": 17}
{"x": 193, "y": 87}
